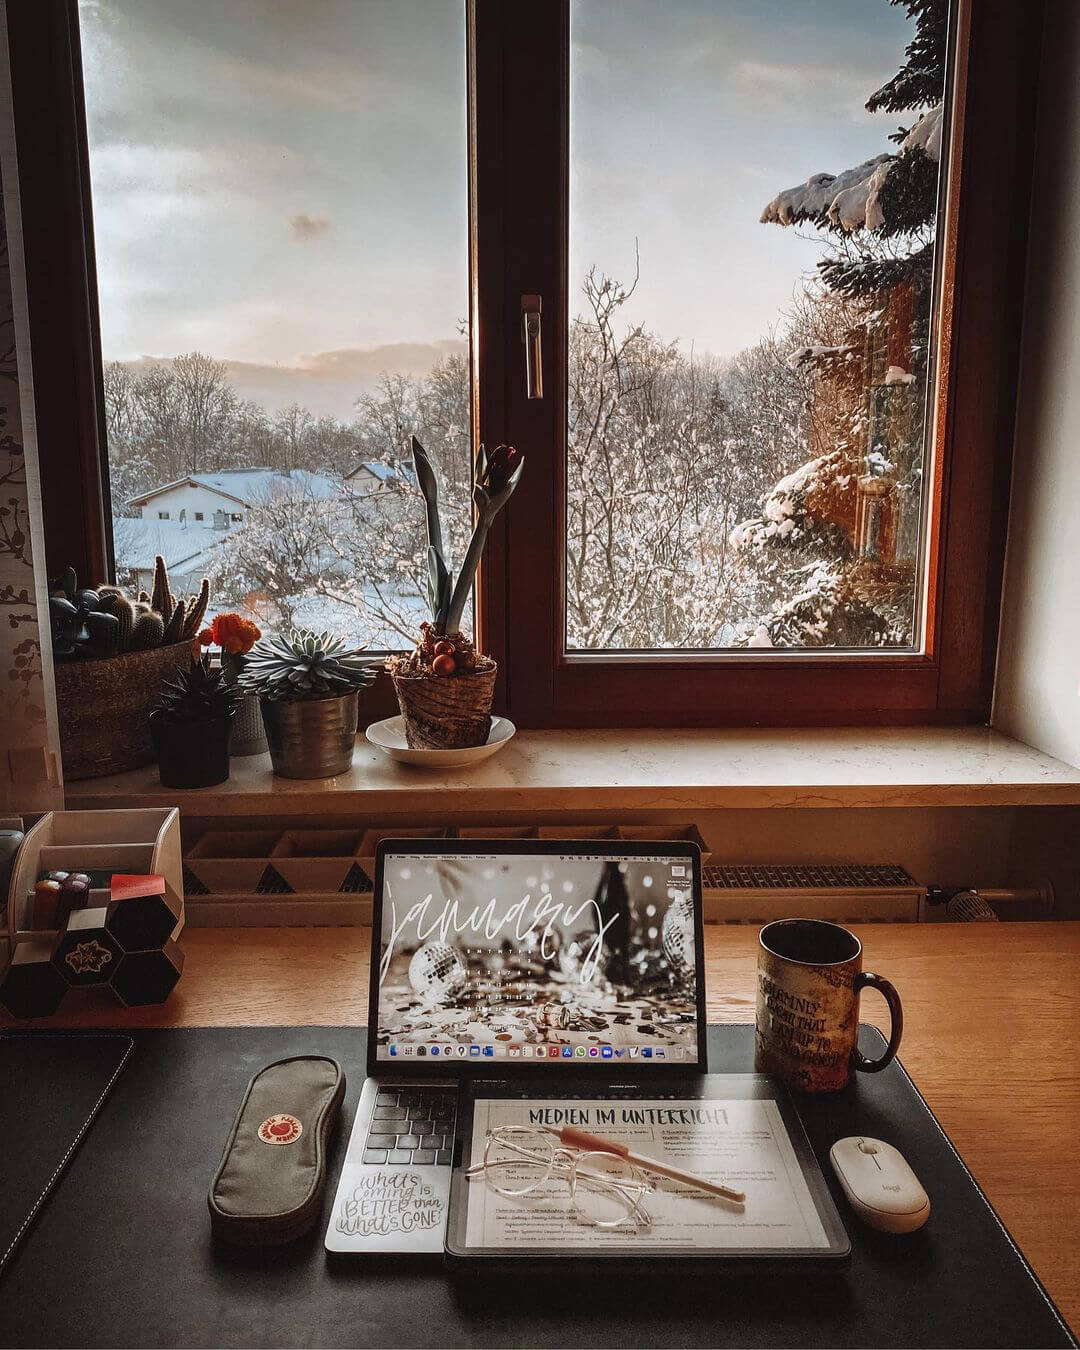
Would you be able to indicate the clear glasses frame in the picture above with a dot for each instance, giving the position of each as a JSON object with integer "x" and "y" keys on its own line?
{"x": 605, "y": 1190}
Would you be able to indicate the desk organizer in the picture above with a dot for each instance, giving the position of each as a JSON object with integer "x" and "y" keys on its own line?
{"x": 296, "y": 877}
{"x": 126, "y": 943}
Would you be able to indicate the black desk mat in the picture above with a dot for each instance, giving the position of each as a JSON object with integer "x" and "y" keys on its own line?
{"x": 52, "y": 1086}
{"x": 122, "y": 1255}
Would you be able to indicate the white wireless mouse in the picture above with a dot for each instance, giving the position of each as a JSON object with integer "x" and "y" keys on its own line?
{"x": 880, "y": 1186}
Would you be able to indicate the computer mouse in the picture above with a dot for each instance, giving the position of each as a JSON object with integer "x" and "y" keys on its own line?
{"x": 879, "y": 1184}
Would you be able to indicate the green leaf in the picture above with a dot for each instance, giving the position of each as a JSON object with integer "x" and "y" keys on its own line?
{"x": 429, "y": 486}
{"x": 438, "y": 587}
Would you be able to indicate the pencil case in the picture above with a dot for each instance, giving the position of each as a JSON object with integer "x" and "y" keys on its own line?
{"x": 269, "y": 1186}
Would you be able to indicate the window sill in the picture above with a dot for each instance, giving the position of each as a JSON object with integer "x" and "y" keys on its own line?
{"x": 642, "y": 770}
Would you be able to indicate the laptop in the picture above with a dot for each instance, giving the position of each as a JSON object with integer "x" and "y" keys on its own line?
{"x": 517, "y": 968}
{"x": 533, "y": 960}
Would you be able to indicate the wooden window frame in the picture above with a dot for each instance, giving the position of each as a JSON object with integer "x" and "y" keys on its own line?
{"x": 522, "y": 95}
{"x": 518, "y": 200}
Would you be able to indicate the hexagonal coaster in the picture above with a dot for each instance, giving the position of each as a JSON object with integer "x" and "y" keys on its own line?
{"x": 143, "y": 921}
{"x": 148, "y": 977}
{"x": 86, "y": 952}
{"x": 32, "y": 986}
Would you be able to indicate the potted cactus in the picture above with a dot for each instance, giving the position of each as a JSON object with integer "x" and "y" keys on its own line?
{"x": 307, "y": 685}
{"x": 191, "y": 724}
{"x": 445, "y": 687}
{"x": 236, "y": 636}
{"x": 110, "y": 654}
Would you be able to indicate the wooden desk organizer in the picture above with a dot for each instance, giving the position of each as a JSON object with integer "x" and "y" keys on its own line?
{"x": 128, "y": 945}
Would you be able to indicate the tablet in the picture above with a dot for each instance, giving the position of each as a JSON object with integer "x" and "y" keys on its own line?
{"x": 518, "y": 1197}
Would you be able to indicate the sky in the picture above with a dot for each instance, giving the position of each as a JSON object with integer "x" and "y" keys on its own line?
{"x": 282, "y": 183}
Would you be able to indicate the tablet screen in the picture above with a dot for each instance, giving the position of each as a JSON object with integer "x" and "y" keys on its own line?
{"x": 553, "y": 959}
{"x": 542, "y": 1176}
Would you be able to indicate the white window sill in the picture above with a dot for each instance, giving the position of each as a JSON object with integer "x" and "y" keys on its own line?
{"x": 642, "y": 770}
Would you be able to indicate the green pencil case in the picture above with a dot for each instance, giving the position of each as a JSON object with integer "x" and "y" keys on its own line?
{"x": 269, "y": 1186}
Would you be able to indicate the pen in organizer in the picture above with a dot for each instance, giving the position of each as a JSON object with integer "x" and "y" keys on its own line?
{"x": 593, "y": 1143}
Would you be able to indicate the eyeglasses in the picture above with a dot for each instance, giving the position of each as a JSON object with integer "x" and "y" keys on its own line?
{"x": 605, "y": 1189}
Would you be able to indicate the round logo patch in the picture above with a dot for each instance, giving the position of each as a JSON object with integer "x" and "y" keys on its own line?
{"x": 280, "y": 1129}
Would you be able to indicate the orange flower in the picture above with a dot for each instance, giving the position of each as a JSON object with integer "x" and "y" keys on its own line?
{"x": 234, "y": 634}
{"x": 205, "y": 638}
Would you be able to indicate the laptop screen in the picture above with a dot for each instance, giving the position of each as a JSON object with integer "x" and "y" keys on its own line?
{"x": 567, "y": 958}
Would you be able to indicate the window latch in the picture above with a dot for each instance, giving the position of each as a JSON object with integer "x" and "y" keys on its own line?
{"x": 531, "y": 306}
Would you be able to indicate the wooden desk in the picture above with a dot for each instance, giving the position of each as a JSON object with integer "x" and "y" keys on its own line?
{"x": 992, "y": 1039}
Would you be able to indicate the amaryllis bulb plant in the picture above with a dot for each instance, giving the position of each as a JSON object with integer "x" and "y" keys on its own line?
{"x": 496, "y": 476}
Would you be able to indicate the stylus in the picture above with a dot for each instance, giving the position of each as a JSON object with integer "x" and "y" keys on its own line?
{"x": 593, "y": 1143}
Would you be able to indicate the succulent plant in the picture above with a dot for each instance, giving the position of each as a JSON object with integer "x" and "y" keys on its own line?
{"x": 104, "y": 622}
{"x": 196, "y": 695}
{"x": 305, "y": 665}
{"x": 80, "y": 627}
{"x": 496, "y": 477}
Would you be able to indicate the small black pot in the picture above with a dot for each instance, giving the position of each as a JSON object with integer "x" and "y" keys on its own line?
{"x": 191, "y": 756}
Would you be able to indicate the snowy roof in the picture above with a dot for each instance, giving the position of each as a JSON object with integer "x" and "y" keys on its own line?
{"x": 252, "y": 486}
{"x": 385, "y": 473}
{"x": 185, "y": 548}
{"x": 852, "y": 199}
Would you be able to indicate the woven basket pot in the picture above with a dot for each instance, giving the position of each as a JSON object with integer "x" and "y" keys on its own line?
{"x": 103, "y": 708}
{"x": 446, "y": 712}
{"x": 311, "y": 738}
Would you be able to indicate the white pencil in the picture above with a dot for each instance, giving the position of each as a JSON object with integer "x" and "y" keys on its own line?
{"x": 592, "y": 1143}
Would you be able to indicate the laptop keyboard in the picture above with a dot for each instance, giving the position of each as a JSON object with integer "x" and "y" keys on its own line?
{"x": 412, "y": 1125}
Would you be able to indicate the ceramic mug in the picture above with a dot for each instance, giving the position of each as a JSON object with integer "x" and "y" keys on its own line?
{"x": 809, "y": 977}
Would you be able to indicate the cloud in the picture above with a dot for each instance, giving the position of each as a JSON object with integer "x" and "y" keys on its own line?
{"x": 813, "y": 90}
{"x": 304, "y": 227}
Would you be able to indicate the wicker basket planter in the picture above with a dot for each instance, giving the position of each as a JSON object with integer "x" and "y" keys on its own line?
{"x": 446, "y": 712}
{"x": 103, "y": 709}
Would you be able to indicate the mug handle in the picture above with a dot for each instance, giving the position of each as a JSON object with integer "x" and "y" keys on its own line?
{"x": 867, "y": 980}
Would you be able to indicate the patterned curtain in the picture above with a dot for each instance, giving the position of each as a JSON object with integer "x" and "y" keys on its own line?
{"x": 30, "y": 776}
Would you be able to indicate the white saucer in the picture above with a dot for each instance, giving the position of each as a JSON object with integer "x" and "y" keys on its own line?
{"x": 389, "y": 735}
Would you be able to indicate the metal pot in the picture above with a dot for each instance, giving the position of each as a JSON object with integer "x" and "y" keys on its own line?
{"x": 310, "y": 738}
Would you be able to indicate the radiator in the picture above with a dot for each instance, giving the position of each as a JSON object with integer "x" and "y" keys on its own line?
{"x": 845, "y": 892}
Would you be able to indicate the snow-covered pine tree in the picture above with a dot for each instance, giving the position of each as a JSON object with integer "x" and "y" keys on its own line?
{"x": 848, "y": 531}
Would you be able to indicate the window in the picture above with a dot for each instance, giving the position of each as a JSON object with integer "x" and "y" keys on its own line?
{"x": 648, "y": 586}
{"x": 163, "y": 515}
{"x": 308, "y": 170}
{"x": 751, "y": 339}
{"x": 768, "y": 477}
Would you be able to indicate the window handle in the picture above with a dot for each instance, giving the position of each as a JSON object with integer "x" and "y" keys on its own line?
{"x": 531, "y": 306}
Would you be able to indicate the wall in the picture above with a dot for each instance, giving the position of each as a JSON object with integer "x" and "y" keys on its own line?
{"x": 191, "y": 499}
{"x": 29, "y": 757}
{"x": 1036, "y": 696}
